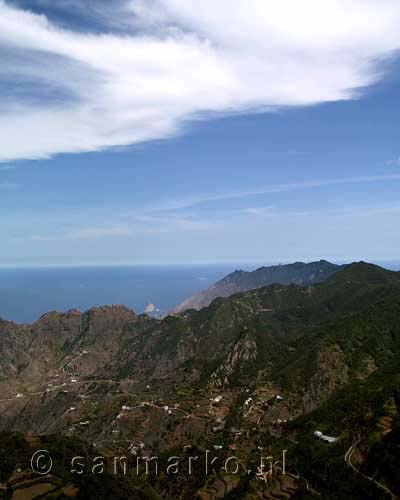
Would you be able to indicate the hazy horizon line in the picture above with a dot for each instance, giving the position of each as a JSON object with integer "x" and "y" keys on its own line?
{"x": 272, "y": 262}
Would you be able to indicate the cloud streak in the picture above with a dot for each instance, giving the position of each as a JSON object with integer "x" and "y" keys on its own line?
{"x": 173, "y": 217}
{"x": 178, "y": 60}
{"x": 7, "y": 186}
{"x": 189, "y": 202}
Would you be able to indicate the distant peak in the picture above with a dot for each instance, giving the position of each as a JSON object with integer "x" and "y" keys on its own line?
{"x": 299, "y": 273}
{"x": 111, "y": 309}
{"x": 362, "y": 264}
{"x": 365, "y": 271}
{"x": 234, "y": 274}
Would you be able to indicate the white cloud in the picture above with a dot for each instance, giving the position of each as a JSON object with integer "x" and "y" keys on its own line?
{"x": 180, "y": 60}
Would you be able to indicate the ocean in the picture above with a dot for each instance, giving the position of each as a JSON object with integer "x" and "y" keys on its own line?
{"x": 26, "y": 294}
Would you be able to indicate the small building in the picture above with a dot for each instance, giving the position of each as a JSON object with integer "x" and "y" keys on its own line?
{"x": 323, "y": 437}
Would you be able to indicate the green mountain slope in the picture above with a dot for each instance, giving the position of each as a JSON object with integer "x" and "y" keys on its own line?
{"x": 259, "y": 370}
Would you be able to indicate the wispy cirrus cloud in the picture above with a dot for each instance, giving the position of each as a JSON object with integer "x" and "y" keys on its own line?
{"x": 199, "y": 215}
{"x": 121, "y": 227}
{"x": 394, "y": 161}
{"x": 179, "y": 60}
{"x": 193, "y": 201}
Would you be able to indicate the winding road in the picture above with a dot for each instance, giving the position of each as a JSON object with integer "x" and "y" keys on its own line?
{"x": 347, "y": 458}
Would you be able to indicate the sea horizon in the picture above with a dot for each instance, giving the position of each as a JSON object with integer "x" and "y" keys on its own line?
{"x": 26, "y": 293}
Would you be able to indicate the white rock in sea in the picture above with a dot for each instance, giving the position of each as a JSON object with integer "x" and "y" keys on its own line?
{"x": 150, "y": 309}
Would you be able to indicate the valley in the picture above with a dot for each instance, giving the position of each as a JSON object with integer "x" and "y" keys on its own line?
{"x": 254, "y": 375}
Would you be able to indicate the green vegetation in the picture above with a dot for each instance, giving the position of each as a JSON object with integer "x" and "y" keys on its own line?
{"x": 332, "y": 350}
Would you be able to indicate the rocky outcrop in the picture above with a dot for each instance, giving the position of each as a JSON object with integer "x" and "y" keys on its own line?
{"x": 62, "y": 346}
{"x": 243, "y": 351}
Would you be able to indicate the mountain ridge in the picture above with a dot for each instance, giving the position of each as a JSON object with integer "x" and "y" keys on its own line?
{"x": 261, "y": 369}
{"x": 240, "y": 281}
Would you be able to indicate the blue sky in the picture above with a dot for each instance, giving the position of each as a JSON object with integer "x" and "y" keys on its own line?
{"x": 163, "y": 135}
